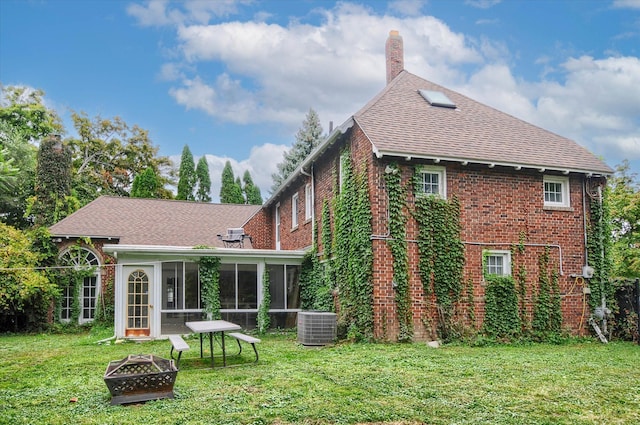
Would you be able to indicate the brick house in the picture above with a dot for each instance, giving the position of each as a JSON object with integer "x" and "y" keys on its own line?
{"x": 515, "y": 182}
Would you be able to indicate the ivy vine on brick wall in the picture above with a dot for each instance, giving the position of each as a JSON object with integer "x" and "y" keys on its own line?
{"x": 397, "y": 243}
{"x": 599, "y": 251}
{"x": 209, "y": 269}
{"x": 441, "y": 251}
{"x": 263, "y": 310}
{"x": 501, "y": 319}
{"x": 547, "y": 314}
{"x": 354, "y": 253}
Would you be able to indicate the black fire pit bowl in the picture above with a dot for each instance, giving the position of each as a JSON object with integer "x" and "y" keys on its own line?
{"x": 140, "y": 377}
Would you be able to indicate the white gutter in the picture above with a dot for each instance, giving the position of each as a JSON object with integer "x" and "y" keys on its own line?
{"x": 191, "y": 252}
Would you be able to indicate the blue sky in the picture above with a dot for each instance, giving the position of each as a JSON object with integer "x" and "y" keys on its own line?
{"x": 234, "y": 79}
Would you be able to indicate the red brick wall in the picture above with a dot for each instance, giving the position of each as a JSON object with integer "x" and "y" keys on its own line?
{"x": 260, "y": 228}
{"x": 497, "y": 206}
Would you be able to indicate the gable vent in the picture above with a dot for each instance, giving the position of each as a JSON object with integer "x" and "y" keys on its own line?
{"x": 437, "y": 98}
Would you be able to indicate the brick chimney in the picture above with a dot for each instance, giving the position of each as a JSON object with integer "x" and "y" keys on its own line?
{"x": 395, "y": 55}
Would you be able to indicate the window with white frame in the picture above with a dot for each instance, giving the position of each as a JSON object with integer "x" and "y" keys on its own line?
{"x": 432, "y": 180}
{"x": 307, "y": 202}
{"x": 294, "y": 211}
{"x": 497, "y": 263}
{"x": 342, "y": 166}
{"x": 556, "y": 191}
{"x": 87, "y": 293}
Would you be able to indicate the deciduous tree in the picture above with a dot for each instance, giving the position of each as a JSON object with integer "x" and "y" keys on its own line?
{"x": 23, "y": 108}
{"x": 25, "y": 293}
{"x": 624, "y": 199}
{"x": 108, "y": 154}
{"x": 24, "y": 121}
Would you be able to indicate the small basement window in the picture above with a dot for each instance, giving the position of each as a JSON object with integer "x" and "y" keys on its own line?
{"x": 437, "y": 98}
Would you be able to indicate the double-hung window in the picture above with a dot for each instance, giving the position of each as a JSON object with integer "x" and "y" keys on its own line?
{"x": 294, "y": 211}
{"x": 556, "y": 191}
{"x": 497, "y": 263}
{"x": 432, "y": 181}
{"x": 307, "y": 202}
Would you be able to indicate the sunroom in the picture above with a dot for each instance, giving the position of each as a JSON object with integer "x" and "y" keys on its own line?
{"x": 158, "y": 289}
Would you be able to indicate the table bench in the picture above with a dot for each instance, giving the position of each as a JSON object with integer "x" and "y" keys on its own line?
{"x": 246, "y": 338}
{"x": 178, "y": 344}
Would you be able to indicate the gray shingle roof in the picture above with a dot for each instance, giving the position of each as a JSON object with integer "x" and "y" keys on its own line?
{"x": 399, "y": 121}
{"x": 136, "y": 221}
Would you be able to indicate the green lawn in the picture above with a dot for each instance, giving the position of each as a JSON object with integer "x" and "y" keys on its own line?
{"x": 577, "y": 383}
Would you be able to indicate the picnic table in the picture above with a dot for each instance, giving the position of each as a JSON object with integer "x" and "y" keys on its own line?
{"x": 211, "y": 327}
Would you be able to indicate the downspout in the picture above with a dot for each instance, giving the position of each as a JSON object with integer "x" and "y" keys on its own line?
{"x": 584, "y": 222}
{"x": 603, "y": 297}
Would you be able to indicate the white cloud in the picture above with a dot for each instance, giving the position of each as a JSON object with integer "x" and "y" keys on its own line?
{"x": 407, "y": 7}
{"x": 494, "y": 85}
{"x": 482, "y": 4}
{"x": 171, "y": 72}
{"x": 276, "y": 73}
{"x": 597, "y": 104}
{"x": 161, "y": 12}
{"x": 262, "y": 162}
{"x": 626, "y": 4}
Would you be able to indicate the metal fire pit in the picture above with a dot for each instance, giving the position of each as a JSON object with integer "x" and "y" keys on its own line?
{"x": 140, "y": 378}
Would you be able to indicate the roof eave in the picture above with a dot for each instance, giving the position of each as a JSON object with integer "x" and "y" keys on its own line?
{"x": 313, "y": 156}
{"x": 77, "y": 236}
{"x": 515, "y": 165}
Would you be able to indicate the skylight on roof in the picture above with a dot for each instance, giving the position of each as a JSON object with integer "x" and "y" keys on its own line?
{"x": 437, "y": 98}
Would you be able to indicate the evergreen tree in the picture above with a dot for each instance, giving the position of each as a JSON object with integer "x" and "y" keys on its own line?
{"x": 251, "y": 191}
{"x": 230, "y": 190}
{"x": 52, "y": 201}
{"x": 146, "y": 185}
{"x": 203, "y": 181}
{"x": 187, "y": 176}
{"x": 308, "y": 137}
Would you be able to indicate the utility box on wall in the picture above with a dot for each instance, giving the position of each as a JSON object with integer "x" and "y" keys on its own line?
{"x": 316, "y": 327}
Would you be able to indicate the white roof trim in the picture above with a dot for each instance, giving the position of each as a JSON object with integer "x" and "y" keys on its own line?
{"x": 491, "y": 164}
{"x": 191, "y": 252}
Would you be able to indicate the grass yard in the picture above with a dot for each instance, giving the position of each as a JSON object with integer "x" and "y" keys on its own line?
{"x": 577, "y": 383}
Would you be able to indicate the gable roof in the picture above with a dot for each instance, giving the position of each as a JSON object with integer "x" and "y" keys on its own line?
{"x": 400, "y": 122}
{"x": 137, "y": 221}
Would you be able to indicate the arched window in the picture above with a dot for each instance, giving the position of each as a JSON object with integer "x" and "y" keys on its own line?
{"x": 81, "y": 258}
